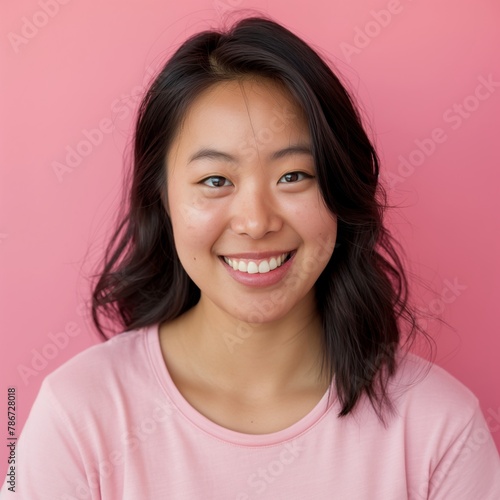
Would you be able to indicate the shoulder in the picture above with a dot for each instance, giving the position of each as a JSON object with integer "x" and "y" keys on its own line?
{"x": 446, "y": 436}
{"x": 419, "y": 381}
{"x": 98, "y": 371}
{"x": 424, "y": 398}
{"x": 432, "y": 405}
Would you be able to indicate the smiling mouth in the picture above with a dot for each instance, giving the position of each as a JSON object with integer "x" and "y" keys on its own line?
{"x": 260, "y": 266}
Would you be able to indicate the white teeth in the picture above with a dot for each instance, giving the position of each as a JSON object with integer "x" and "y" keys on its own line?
{"x": 253, "y": 268}
{"x": 264, "y": 267}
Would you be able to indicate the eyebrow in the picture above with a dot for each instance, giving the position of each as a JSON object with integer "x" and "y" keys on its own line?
{"x": 213, "y": 154}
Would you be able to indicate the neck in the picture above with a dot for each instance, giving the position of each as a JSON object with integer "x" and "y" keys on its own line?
{"x": 255, "y": 358}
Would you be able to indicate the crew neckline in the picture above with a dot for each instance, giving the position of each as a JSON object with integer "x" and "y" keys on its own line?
{"x": 152, "y": 339}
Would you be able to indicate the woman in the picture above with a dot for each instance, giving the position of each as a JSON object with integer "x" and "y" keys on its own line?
{"x": 264, "y": 347}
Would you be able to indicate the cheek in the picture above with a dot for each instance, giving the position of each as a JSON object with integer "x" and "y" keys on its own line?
{"x": 190, "y": 209}
{"x": 322, "y": 235}
{"x": 196, "y": 224}
{"x": 326, "y": 228}
{"x": 312, "y": 219}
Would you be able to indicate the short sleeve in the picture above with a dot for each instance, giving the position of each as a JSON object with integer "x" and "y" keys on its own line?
{"x": 49, "y": 462}
{"x": 470, "y": 468}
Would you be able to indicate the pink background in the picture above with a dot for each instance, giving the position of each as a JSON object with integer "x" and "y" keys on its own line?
{"x": 83, "y": 64}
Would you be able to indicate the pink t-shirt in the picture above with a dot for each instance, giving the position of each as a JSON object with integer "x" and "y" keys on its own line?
{"x": 110, "y": 424}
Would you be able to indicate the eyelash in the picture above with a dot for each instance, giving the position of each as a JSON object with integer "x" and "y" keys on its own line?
{"x": 304, "y": 174}
{"x": 204, "y": 181}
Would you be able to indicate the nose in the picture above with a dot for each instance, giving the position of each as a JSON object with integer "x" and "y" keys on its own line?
{"x": 254, "y": 212}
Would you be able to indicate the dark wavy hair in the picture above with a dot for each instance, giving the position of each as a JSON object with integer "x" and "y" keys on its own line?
{"x": 362, "y": 294}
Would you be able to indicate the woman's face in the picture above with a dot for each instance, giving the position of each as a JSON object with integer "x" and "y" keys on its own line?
{"x": 249, "y": 224}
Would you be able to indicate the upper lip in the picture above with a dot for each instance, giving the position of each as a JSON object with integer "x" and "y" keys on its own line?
{"x": 256, "y": 255}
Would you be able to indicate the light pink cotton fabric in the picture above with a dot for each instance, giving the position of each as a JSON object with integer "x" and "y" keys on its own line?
{"x": 110, "y": 424}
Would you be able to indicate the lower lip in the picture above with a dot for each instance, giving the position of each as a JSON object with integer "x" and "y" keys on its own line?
{"x": 258, "y": 279}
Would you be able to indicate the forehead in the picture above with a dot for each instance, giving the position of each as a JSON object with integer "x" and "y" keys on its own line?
{"x": 252, "y": 110}
{"x": 254, "y": 92}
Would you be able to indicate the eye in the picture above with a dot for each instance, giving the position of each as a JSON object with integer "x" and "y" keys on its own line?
{"x": 215, "y": 181}
{"x": 292, "y": 177}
